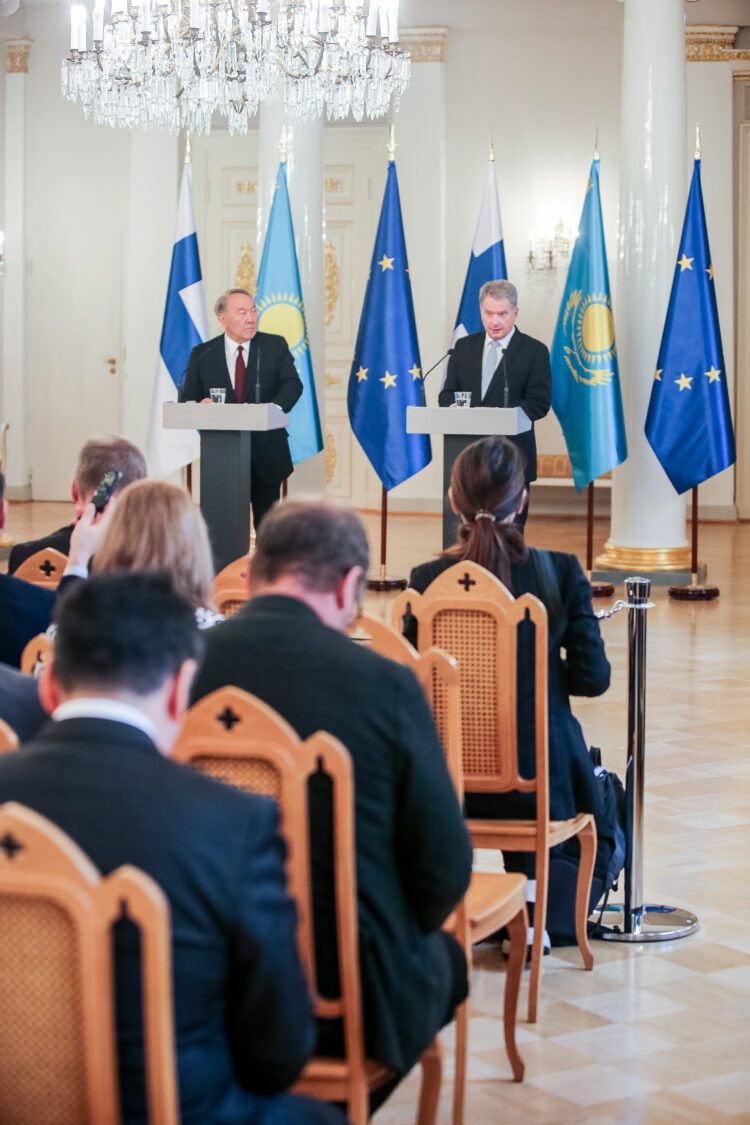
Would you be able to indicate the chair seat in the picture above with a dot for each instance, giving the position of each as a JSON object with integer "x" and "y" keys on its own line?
{"x": 493, "y": 898}
{"x": 515, "y": 835}
{"x": 327, "y": 1078}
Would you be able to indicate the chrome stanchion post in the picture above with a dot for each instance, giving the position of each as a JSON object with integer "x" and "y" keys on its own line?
{"x": 634, "y": 921}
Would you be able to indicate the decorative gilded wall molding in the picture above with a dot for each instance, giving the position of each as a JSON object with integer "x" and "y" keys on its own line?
{"x": 332, "y": 380}
{"x": 332, "y": 281}
{"x": 246, "y": 187}
{"x": 17, "y": 55}
{"x": 426, "y": 44}
{"x": 333, "y": 185}
{"x": 741, "y": 75}
{"x": 713, "y": 42}
{"x": 246, "y": 276}
{"x": 331, "y": 456}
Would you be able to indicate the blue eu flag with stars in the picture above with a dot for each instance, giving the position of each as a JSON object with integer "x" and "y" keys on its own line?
{"x": 386, "y": 374}
{"x": 689, "y": 423}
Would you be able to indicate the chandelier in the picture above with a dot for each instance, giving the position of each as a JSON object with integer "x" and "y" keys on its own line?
{"x": 172, "y": 64}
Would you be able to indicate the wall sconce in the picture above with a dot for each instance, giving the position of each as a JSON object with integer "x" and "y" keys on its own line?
{"x": 551, "y": 247}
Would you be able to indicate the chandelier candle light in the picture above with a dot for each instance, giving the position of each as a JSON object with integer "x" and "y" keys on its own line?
{"x": 172, "y": 64}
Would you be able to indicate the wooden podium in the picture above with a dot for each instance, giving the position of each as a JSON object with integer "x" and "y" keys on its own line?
{"x": 225, "y": 430}
{"x": 460, "y": 427}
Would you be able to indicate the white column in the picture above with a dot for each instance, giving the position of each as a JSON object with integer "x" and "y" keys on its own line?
{"x": 18, "y": 469}
{"x": 305, "y": 180}
{"x": 648, "y": 517}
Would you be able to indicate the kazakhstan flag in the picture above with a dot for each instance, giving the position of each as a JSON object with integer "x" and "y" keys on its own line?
{"x": 585, "y": 381}
{"x": 689, "y": 422}
{"x": 386, "y": 374}
{"x": 281, "y": 311}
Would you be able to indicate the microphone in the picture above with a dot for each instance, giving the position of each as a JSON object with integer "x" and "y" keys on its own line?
{"x": 257, "y": 371}
{"x": 198, "y": 352}
{"x": 503, "y": 364}
{"x": 449, "y": 352}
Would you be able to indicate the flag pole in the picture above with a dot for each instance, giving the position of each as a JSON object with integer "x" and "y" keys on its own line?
{"x": 189, "y": 466}
{"x": 598, "y": 589}
{"x": 694, "y": 592}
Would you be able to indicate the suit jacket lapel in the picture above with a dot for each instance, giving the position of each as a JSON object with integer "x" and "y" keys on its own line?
{"x": 220, "y": 371}
{"x": 475, "y": 380}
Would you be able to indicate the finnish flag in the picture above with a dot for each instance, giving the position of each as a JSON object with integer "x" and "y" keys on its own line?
{"x": 184, "y": 326}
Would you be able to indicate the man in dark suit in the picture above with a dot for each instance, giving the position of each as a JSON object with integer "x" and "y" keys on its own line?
{"x": 97, "y": 457}
{"x": 251, "y": 366}
{"x": 25, "y": 609}
{"x": 287, "y": 646}
{"x": 20, "y": 707}
{"x": 125, "y": 656}
{"x": 502, "y": 367}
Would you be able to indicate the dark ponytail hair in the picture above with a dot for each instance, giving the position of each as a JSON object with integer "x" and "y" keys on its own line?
{"x": 487, "y": 483}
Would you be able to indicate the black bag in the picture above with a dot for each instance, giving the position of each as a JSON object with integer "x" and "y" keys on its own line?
{"x": 565, "y": 858}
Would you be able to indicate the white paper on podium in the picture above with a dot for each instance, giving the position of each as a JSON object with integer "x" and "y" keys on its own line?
{"x": 223, "y": 416}
{"x": 480, "y": 420}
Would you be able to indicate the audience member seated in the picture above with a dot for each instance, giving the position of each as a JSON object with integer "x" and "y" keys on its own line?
{"x": 487, "y": 490}
{"x": 20, "y": 705}
{"x": 125, "y": 656}
{"x": 287, "y": 646}
{"x": 97, "y": 457}
{"x": 25, "y": 609}
{"x": 151, "y": 526}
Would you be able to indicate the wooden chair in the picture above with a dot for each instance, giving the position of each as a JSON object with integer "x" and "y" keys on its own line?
{"x": 36, "y": 653}
{"x": 8, "y": 738}
{"x": 493, "y": 900}
{"x": 231, "y": 587}
{"x": 58, "y": 1054}
{"x": 470, "y": 614}
{"x": 235, "y": 737}
{"x": 43, "y": 568}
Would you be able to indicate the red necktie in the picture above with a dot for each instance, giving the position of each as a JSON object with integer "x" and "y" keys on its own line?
{"x": 239, "y": 374}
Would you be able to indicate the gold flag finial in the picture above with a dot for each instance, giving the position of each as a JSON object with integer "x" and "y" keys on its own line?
{"x": 187, "y": 147}
{"x": 283, "y": 144}
{"x": 392, "y": 143}
{"x": 596, "y": 143}
{"x": 697, "y": 141}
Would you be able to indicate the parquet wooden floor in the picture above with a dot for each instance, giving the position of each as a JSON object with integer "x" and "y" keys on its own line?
{"x": 656, "y": 1033}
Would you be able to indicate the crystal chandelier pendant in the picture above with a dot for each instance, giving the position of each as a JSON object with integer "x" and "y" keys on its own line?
{"x": 173, "y": 64}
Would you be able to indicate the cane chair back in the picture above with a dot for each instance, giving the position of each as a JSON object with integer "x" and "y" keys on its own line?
{"x": 8, "y": 737}
{"x": 469, "y": 613}
{"x": 493, "y": 900}
{"x": 36, "y": 653}
{"x": 234, "y": 576}
{"x": 229, "y": 600}
{"x": 58, "y": 1055}
{"x": 43, "y": 568}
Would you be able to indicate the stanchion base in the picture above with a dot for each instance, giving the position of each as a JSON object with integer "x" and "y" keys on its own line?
{"x": 651, "y": 923}
{"x": 602, "y": 589}
{"x": 693, "y": 593}
{"x": 385, "y": 584}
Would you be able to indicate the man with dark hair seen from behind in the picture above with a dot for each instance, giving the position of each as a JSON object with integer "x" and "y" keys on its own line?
{"x": 125, "y": 656}
{"x": 97, "y": 457}
{"x": 413, "y": 856}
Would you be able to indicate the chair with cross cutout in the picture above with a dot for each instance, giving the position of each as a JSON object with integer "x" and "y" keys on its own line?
{"x": 58, "y": 1054}
{"x": 43, "y": 568}
{"x": 231, "y": 586}
{"x": 470, "y": 614}
{"x": 238, "y": 739}
{"x": 494, "y": 899}
{"x": 36, "y": 653}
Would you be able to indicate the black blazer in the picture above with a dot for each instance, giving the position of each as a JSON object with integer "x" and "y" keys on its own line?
{"x": 526, "y": 367}
{"x": 577, "y": 666}
{"x": 25, "y": 610}
{"x": 59, "y": 539}
{"x": 19, "y": 702}
{"x": 413, "y": 853}
{"x": 244, "y": 1025}
{"x": 270, "y": 362}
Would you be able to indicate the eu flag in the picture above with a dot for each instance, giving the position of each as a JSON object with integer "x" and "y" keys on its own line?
{"x": 281, "y": 311}
{"x": 386, "y": 374}
{"x": 689, "y": 423}
{"x": 585, "y": 381}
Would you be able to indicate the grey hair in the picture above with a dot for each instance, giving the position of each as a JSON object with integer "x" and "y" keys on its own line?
{"x": 499, "y": 290}
{"x": 221, "y": 302}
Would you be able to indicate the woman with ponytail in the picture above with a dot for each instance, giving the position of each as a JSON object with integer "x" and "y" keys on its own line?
{"x": 487, "y": 490}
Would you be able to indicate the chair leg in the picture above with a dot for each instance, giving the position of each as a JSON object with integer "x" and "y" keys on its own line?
{"x": 587, "y": 840}
{"x": 462, "y": 1047}
{"x": 517, "y": 930}
{"x": 432, "y": 1080}
{"x": 540, "y": 921}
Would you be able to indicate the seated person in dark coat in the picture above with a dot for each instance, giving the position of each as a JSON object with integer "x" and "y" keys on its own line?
{"x": 25, "y": 609}
{"x": 20, "y": 706}
{"x": 287, "y": 646}
{"x": 125, "y": 656}
{"x": 487, "y": 490}
{"x": 97, "y": 457}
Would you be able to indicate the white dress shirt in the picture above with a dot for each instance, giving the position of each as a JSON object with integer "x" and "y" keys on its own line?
{"x": 230, "y": 351}
{"x": 95, "y": 707}
{"x": 488, "y": 342}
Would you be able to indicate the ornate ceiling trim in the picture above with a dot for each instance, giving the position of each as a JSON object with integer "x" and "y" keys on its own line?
{"x": 17, "y": 54}
{"x": 708, "y": 42}
{"x": 427, "y": 44}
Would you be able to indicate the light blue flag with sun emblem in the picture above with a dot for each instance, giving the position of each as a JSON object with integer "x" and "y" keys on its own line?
{"x": 585, "y": 381}
{"x": 281, "y": 311}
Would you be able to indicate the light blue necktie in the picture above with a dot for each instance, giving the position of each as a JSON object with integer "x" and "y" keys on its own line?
{"x": 490, "y": 363}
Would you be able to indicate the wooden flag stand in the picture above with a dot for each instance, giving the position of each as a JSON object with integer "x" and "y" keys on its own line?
{"x": 694, "y": 592}
{"x": 383, "y": 583}
{"x": 598, "y": 589}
